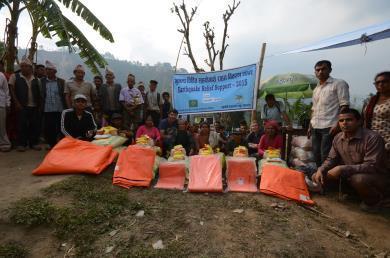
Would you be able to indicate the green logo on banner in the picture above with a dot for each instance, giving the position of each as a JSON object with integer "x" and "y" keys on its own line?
{"x": 193, "y": 103}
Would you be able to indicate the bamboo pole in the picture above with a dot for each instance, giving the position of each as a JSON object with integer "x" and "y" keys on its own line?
{"x": 262, "y": 53}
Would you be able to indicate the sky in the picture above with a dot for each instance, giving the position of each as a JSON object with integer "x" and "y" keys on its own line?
{"x": 146, "y": 31}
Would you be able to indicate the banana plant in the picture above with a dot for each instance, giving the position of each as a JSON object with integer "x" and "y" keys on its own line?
{"x": 48, "y": 20}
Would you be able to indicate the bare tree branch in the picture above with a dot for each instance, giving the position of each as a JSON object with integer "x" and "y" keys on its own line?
{"x": 186, "y": 19}
{"x": 226, "y": 17}
{"x": 210, "y": 45}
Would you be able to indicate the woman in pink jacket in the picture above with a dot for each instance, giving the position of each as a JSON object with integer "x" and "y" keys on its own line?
{"x": 150, "y": 130}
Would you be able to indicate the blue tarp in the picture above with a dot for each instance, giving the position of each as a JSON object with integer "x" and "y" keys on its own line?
{"x": 361, "y": 36}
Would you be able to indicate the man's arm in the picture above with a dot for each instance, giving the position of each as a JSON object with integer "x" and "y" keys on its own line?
{"x": 12, "y": 81}
{"x": 331, "y": 161}
{"x": 65, "y": 124}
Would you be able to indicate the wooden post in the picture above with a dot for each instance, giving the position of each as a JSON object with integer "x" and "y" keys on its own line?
{"x": 253, "y": 117}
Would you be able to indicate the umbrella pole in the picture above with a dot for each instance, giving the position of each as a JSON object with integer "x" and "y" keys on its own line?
{"x": 257, "y": 85}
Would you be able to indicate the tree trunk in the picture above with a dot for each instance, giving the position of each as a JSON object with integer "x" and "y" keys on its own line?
{"x": 12, "y": 33}
{"x": 33, "y": 48}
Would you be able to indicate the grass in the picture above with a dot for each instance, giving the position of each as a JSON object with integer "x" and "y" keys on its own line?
{"x": 13, "y": 250}
{"x": 32, "y": 212}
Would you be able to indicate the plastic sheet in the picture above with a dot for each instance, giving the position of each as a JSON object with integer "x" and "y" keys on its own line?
{"x": 205, "y": 173}
{"x": 241, "y": 174}
{"x": 284, "y": 183}
{"x": 72, "y": 156}
{"x": 134, "y": 167}
{"x": 172, "y": 175}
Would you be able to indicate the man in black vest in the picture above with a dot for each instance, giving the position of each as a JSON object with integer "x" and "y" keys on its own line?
{"x": 53, "y": 103}
{"x": 26, "y": 93}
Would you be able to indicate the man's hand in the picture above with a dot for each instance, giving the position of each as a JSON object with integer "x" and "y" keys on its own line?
{"x": 308, "y": 132}
{"x": 334, "y": 173}
{"x": 318, "y": 177}
{"x": 252, "y": 145}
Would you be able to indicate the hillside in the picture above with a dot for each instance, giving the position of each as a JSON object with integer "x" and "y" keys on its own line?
{"x": 65, "y": 61}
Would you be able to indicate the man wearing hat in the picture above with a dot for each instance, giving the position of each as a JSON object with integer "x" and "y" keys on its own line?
{"x": 77, "y": 122}
{"x": 79, "y": 86}
{"x": 53, "y": 103}
{"x": 109, "y": 95}
{"x": 26, "y": 93}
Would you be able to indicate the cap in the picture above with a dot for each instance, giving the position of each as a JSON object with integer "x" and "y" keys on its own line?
{"x": 50, "y": 65}
{"x": 26, "y": 61}
{"x": 80, "y": 96}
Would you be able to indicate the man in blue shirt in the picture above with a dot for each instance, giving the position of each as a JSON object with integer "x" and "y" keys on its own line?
{"x": 53, "y": 103}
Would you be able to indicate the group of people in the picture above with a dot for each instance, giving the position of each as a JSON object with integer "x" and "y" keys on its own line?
{"x": 347, "y": 145}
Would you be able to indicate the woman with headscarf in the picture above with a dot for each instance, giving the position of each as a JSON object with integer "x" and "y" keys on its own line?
{"x": 377, "y": 112}
{"x": 272, "y": 139}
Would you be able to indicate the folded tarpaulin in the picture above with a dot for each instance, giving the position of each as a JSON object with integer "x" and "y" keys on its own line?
{"x": 172, "y": 175}
{"x": 284, "y": 183}
{"x": 134, "y": 167}
{"x": 205, "y": 173}
{"x": 72, "y": 156}
{"x": 241, "y": 174}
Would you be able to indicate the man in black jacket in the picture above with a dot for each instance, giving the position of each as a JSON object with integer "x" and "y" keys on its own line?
{"x": 77, "y": 122}
{"x": 26, "y": 94}
{"x": 53, "y": 103}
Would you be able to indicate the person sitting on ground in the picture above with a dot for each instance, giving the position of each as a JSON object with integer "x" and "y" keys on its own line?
{"x": 206, "y": 136}
{"x": 98, "y": 115}
{"x": 118, "y": 123}
{"x": 168, "y": 130}
{"x": 253, "y": 139}
{"x": 272, "y": 139}
{"x": 274, "y": 110}
{"x": 77, "y": 122}
{"x": 150, "y": 130}
{"x": 237, "y": 138}
{"x": 185, "y": 138}
{"x": 358, "y": 158}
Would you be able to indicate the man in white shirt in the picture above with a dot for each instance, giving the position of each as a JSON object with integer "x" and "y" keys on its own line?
{"x": 153, "y": 103}
{"x": 5, "y": 103}
{"x": 131, "y": 100}
{"x": 329, "y": 97}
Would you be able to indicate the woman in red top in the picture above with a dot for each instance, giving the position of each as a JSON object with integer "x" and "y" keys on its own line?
{"x": 150, "y": 130}
{"x": 272, "y": 139}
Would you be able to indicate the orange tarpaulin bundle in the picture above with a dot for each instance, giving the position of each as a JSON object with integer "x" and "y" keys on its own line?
{"x": 284, "y": 183}
{"x": 205, "y": 173}
{"x": 72, "y": 156}
{"x": 134, "y": 167}
{"x": 241, "y": 174}
{"x": 172, "y": 175}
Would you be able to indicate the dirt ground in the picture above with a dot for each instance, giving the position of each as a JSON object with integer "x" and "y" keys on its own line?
{"x": 197, "y": 225}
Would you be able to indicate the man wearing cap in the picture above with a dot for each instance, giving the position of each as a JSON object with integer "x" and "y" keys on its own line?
{"x": 109, "y": 95}
{"x": 79, "y": 86}
{"x": 53, "y": 103}
{"x": 26, "y": 93}
{"x": 131, "y": 100}
{"x": 77, "y": 122}
{"x": 153, "y": 102}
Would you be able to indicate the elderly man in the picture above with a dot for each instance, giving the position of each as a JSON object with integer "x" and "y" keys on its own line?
{"x": 26, "y": 93}
{"x": 357, "y": 157}
{"x": 5, "y": 104}
{"x": 131, "y": 100}
{"x": 78, "y": 86}
{"x": 109, "y": 95}
{"x": 329, "y": 97}
{"x": 53, "y": 103}
{"x": 77, "y": 122}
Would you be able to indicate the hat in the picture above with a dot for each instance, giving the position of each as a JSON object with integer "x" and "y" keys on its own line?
{"x": 272, "y": 123}
{"x": 109, "y": 71}
{"x": 116, "y": 116}
{"x": 26, "y": 61}
{"x": 79, "y": 68}
{"x": 80, "y": 96}
{"x": 140, "y": 84}
{"x": 50, "y": 65}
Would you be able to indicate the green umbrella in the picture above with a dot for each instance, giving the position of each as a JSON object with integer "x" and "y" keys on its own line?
{"x": 289, "y": 86}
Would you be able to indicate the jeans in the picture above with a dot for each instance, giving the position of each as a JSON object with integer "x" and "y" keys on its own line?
{"x": 52, "y": 127}
{"x": 322, "y": 142}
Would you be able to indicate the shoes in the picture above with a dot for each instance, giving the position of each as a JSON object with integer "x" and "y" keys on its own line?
{"x": 21, "y": 148}
{"x": 5, "y": 149}
{"x": 36, "y": 147}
